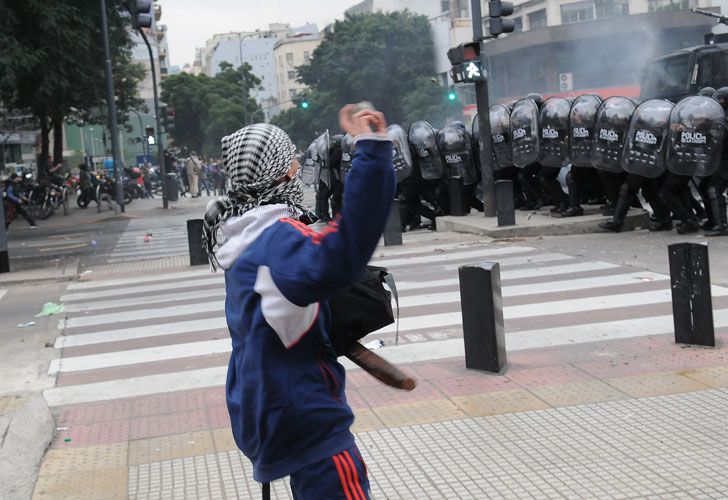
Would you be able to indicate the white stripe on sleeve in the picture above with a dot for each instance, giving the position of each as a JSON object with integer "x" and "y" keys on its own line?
{"x": 289, "y": 321}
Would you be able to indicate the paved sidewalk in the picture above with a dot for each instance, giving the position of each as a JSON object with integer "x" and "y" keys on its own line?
{"x": 628, "y": 418}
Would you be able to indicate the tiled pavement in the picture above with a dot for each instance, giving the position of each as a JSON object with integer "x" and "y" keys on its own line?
{"x": 612, "y": 408}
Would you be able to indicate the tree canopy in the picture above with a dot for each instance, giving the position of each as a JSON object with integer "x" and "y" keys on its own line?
{"x": 209, "y": 108}
{"x": 53, "y": 61}
{"x": 387, "y": 59}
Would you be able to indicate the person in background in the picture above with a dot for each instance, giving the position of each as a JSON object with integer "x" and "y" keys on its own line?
{"x": 17, "y": 200}
{"x": 193, "y": 168}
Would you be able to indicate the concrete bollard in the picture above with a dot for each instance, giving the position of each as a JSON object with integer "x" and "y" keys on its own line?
{"x": 482, "y": 309}
{"x": 198, "y": 256}
{"x": 456, "y": 196}
{"x": 692, "y": 307}
{"x": 393, "y": 229}
{"x": 504, "y": 203}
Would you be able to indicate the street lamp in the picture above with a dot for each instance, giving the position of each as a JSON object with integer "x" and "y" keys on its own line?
{"x": 245, "y": 80}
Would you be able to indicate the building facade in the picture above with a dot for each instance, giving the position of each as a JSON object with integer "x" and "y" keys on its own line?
{"x": 289, "y": 54}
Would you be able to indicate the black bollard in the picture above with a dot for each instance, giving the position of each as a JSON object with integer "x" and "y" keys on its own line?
{"x": 692, "y": 307}
{"x": 456, "y": 195}
{"x": 198, "y": 256}
{"x": 482, "y": 308}
{"x": 504, "y": 203}
{"x": 393, "y": 229}
{"x": 4, "y": 257}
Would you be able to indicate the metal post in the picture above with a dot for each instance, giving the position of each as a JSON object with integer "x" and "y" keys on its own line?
{"x": 4, "y": 257}
{"x": 692, "y": 307}
{"x": 504, "y": 198}
{"x": 111, "y": 103}
{"x": 160, "y": 146}
{"x": 393, "y": 228}
{"x": 482, "y": 309}
{"x": 481, "y": 98}
{"x": 245, "y": 82}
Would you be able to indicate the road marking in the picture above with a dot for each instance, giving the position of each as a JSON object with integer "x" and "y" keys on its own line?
{"x": 88, "y": 285}
{"x": 406, "y": 353}
{"x": 63, "y": 247}
{"x": 447, "y": 256}
{"x": 513, "y": 261}
{"x": 218, "y": 278}
{"x": 146, "y": 355}
{"x": 2, "y": 293}
{"x": 140, "y": 332}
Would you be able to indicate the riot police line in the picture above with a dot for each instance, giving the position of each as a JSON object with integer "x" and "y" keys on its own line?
{"x": 610, "y": 150}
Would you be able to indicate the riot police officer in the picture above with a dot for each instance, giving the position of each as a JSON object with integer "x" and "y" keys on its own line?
{"x": 713, "y": 187}
{"x": 525, "y": 142}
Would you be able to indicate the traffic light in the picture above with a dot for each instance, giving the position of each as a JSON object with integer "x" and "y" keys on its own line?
{"x": 150, "y": 135}
{"x": 466, "y": 63}
{"x": 141, "y": 13}
{"x": 497, "y": 10}
{"x": 169, "y": 116}
{"x": 451, "y": 95}
{"x": 304, "y": 103}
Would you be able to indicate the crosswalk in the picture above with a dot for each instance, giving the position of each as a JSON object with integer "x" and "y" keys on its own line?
{"x": 168, "y": 238}
{"x": 162, "y": 333}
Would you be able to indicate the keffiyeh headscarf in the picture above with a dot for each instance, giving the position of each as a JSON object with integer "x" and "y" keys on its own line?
{"x": 256, "y": 159}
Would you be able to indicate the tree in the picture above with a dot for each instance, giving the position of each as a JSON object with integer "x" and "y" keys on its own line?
{"x": 210, "y": 108}
{"x": 53, "y": 61}
{"x": 382, "y": 58}
{"x": 430, "y": 101}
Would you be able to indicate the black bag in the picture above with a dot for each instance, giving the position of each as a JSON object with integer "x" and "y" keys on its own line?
{"x": 362, "y": 309}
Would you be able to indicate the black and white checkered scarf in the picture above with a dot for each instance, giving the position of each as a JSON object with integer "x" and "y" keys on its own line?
{"x": 255, "y": 158}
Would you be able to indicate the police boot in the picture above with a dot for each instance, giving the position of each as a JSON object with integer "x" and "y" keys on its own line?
{"x": 620, "y": 211}
{"x": 553, "y": 188}
{"x": 660, "y": 220}
{"x": 688, "y": 222}
{"x": 717, "y": 206}
{"x": 574, "y": 209}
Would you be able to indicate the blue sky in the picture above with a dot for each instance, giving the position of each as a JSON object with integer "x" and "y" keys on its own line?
{"x": 191, "y": 22}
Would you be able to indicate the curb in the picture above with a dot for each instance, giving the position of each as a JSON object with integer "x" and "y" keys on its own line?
{"x": 68, "y": 273}
{"x": 530, "y": 224}
{"x": 26, "y": 435}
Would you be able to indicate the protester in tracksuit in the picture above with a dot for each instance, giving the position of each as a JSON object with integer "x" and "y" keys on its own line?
{"x": 285, "y": 388}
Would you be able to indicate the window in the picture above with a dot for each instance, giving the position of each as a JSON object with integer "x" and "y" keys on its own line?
{"x": 662, "y": 5}
{"x": 667, "y": 76}
{"x": 537, "y": 19}
{"x": 289, "y": 58}
{"x": 292, "y": 92}
{"x": 611, "y": 8}
{"x": 307, "y": 56}
{"x": 577, "y": 12}
{"x": 519, "y": 24}
{"x": 291, "y": 75}
{"x": 444, "y": 6}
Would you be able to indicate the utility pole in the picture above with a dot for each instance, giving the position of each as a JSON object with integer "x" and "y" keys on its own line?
{"x": 111, "y": 103}
{"x": 160, "y": 146}
{"x": 482, "y": 101}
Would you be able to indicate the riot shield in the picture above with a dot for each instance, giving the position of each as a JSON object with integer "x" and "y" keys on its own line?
{"x": 347, "y": 155}
{"x": 422, "y": 137}
{"x": 322, "y": 153}
{"x": 456, "y": 154}
{"x": 500, "y": 133}
{"x": 554, "y": 132}
{"x": 582, "y": 117}
{"x": 310, "y": 167}
{"x": 645, "y": 149}
{"x": 524, "y": 133}
{"x": 610, "y": 133}
{"x": 697, "y": 131}
{"x": 402, "y": 159}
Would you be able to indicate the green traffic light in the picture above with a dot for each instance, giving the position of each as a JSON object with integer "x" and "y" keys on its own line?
{"x": 452, "y": 96}
{"x": 304, "y": 105}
